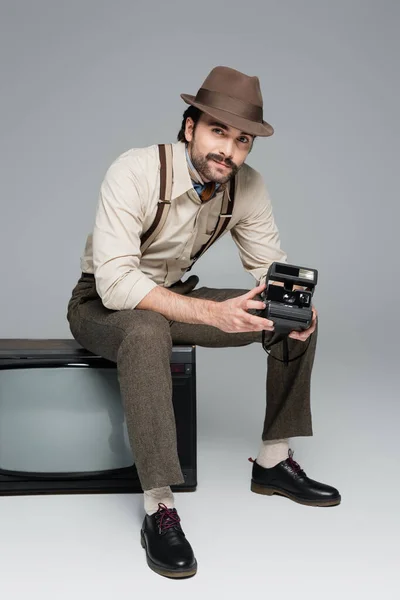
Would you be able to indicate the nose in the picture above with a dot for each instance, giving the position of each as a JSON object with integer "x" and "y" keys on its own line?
{"x": 226, "y": 148}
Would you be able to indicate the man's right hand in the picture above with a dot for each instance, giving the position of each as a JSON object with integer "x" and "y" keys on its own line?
{"x": 231, "y": 315}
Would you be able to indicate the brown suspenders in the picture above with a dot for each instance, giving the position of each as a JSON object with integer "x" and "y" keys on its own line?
{"x": 225, "y": 215}
{"x": 164, "y": 205}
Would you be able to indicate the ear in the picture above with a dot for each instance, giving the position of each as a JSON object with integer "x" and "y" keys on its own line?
{"x": 189, "y": 126}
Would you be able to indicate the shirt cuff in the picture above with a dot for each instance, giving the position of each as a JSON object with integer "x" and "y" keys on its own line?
{"x": 126, "y": 293}
{"x": 138, "y": 291}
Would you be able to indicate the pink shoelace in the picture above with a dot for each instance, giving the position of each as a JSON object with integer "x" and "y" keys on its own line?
{"x": 290, "y": 460}
{"x": 166, "y": 518}
{"x": 295, "y": 466}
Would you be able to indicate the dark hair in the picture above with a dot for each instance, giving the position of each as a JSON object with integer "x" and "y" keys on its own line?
{"x": 195, "y": 114}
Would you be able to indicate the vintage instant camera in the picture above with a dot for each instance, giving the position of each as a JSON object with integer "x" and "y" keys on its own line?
{"x": 289, "y": 309}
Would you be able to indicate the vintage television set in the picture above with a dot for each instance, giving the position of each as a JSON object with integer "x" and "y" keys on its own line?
{"x": 62, "y": 424}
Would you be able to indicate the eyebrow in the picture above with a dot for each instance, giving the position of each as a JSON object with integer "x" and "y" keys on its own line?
{"x": 222, "y": 126}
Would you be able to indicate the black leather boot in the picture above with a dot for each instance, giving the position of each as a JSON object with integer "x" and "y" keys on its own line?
{"x": 288, "y": 479}
{"x": 167, "y": 549}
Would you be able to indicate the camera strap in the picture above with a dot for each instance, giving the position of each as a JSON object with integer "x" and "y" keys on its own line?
{"x": 285, "y": 350}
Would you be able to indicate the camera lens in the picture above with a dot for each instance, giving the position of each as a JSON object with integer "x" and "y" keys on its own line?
{"x": 289, "y": 298}
{"x": 304, "y": 299}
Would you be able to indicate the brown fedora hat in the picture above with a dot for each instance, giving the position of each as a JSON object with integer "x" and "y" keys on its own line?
{"x": 234, "y": 99}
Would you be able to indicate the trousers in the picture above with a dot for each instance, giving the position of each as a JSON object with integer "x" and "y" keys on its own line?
{"x": 140, "y": 343}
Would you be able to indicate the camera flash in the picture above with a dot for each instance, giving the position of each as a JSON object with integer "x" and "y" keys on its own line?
{"x": 306, "y": 274}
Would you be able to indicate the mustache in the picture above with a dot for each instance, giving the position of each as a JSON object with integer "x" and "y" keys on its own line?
{"x": 228, "y": 162}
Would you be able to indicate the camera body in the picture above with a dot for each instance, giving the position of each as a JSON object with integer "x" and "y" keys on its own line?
{"x": 289, "y": 309}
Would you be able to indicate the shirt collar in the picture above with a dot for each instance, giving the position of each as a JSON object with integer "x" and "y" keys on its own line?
{"x": 182, "y": 182}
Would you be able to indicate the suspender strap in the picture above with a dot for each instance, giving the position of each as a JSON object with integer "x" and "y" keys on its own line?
{"x": 164, "y": 204}
{"x": 223, "y": 220}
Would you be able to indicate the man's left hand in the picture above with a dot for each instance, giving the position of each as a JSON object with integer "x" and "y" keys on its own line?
{"x": 302, "y": 336}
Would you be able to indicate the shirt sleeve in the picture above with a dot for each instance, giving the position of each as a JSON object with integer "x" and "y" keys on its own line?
{"x": 256, "y": 234}
{"x": 116, "y": 239}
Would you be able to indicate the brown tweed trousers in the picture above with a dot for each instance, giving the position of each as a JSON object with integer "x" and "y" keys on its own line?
{"x": 140, "y": 343}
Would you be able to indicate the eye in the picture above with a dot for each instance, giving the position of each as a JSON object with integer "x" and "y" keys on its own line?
{"x": 244, "y": 140}
{"x": 217, "y": 130}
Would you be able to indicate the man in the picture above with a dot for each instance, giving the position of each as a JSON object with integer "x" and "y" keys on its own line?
{"x": 130, "y": 304}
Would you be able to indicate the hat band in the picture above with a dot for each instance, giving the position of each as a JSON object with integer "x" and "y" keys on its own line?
{"x": 238, "y": 107}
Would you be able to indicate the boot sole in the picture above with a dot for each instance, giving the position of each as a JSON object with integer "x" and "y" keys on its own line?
{"x": 269, "y": 491}
{"x": 175, "y": 573}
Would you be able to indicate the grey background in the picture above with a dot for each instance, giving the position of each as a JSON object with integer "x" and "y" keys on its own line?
{"x": 81, "y": 82}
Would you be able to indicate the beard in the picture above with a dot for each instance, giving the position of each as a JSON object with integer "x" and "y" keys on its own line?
{"x": 209, "y": 170}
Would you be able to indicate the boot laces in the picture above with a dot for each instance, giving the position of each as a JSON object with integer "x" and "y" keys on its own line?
{"x": 166, "y": 518}
{"x": 293, "y": 464}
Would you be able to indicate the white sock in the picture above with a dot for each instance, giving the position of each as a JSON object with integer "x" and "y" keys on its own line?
{"x": 154, "y": 496}
{"x": 272, "y": 452}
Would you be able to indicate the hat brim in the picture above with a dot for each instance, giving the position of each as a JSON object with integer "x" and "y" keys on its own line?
{"x": 263, "y": 129}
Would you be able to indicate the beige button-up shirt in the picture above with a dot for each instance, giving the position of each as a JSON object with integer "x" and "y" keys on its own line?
{"x": 126, "y": 209}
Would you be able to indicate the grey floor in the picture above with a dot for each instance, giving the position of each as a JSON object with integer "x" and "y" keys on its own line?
{"x": 87, "y": 546}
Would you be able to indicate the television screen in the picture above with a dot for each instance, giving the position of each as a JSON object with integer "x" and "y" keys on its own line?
{"x": 62, "y": 420}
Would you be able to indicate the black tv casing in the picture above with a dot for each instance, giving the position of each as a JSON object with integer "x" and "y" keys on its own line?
{"x": 62, "y": 354}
